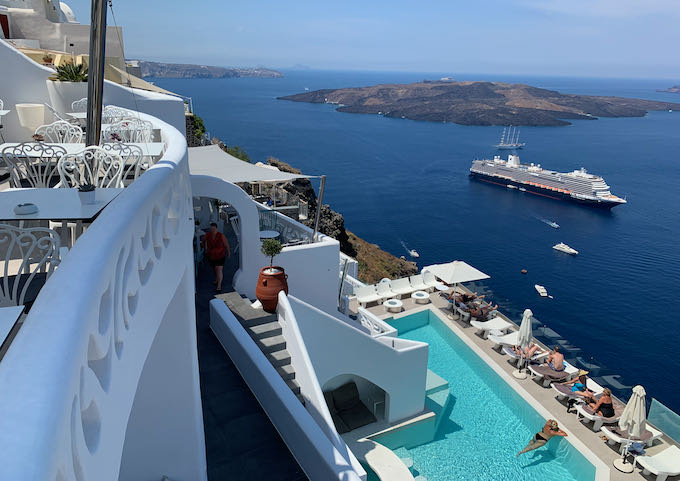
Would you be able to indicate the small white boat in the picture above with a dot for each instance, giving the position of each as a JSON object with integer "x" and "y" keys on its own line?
{"x": 541, "y": 290}
{"x": 562, "y": 247}
{"x": 522, "y": 189}
{"x": 413, "y": 253}
{"x": 510, "y": 186}
{"x": 554, "y": 225}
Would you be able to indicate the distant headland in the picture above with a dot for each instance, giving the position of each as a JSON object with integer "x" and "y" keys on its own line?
{"x": 181, "y": 70}
{"x": 674, "y": 89}
{"x": 478, "y": 103}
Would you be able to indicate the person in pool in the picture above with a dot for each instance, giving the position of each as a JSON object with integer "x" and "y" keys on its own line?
{"x": 550, "y": 430}
{"x": 556, "y": 359}
{"x": 605, "y": 405}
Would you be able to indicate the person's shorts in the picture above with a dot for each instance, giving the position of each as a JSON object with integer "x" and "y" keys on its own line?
{"x": 217, "y": 262}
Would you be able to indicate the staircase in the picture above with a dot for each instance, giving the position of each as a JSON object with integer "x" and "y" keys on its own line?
{"x": 265, "y": 330}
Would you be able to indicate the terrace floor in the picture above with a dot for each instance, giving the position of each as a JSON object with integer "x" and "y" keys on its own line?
{"x": 241, "y": 442}
{"x": 540, "y": 396}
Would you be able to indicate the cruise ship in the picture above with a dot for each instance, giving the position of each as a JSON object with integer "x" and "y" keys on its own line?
{"x": 578, "y": 185}
{"x": 120, "y": 360}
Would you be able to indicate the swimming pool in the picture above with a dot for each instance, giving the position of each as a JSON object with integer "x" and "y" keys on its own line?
{"x": 485, "y": 422}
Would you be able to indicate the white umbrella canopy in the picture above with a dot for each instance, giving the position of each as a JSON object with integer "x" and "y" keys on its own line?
{"x": 634, "y": 415}
{"x": 456, "y": 272}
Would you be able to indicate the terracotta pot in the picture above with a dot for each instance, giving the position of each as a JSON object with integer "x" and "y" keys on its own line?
{"x": 269, "y": 284}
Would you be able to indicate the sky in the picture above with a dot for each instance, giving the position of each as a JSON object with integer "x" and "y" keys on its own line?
{"x": 580, "y": 38}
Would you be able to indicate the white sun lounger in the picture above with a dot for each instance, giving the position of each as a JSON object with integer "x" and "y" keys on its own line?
{"x": 384, "y": 290}
{"x": 599, "y": 421}
{"x": 496, "y": 323}
{"x": 569, "y": 370}
{"x": 366, "y": 294}
{"x": 430, "y": 280}
{"x": 664, "y": 464}
{"x": 418, "y": 284}
{"x": 535, "y": 358}
{"x": 402, "y": 286}
{"x": 562, "y": 393}
{"x": 616, "y": 436}
{"x": 511, "y": 339}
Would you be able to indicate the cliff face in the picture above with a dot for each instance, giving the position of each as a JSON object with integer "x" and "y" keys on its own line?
{"x": 374, "y": 263}
{"x": 478, "y": 103}
{"x": 181, "y": 70}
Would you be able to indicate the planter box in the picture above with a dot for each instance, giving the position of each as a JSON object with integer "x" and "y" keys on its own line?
{"x": 87, "y": 197}
{"x": 63, "y": 94}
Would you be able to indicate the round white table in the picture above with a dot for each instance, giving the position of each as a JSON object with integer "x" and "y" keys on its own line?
{"x": 393, "y": 305}
{"x": 269, "y": 234}
{"x": 420, "y": 297}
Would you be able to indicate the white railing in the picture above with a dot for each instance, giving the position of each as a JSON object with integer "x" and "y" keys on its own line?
{"x": 314, "y": 450}
{"x": 352, "y": 265}
{"x": 376, "y": 326}
{"x": 291, "y": 232}
{"x": 69, "y": 378}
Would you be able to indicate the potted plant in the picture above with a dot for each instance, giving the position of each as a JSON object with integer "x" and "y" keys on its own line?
{"x": 272, "y": 279}
{"x": 86, "y": 192}
{"x": 47, "y": 59}
{"x": 67, "y": 84}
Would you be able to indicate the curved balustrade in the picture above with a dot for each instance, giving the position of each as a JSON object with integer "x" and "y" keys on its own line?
{"x": 69, "y": 379}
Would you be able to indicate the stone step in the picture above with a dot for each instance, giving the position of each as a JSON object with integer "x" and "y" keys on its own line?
{"x": 294, "y": 386}
{"x": 286, "y": 372}
{"x": 270, "y": 344}
{"x": 278, "y": 358}
{"x": 256, "y": 321}
{"x": 269, "y": 329}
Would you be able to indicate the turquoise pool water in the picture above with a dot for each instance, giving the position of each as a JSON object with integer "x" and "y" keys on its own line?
{"x": 485, "y": 423}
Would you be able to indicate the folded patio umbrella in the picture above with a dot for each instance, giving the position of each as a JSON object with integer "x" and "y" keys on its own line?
{"x": 634, "y": 415}
{"x": 525, "y": 334}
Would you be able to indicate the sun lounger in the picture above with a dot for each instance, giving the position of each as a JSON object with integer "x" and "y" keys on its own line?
{"x": 586, "y": 413}
{"x": 384, "y": 290}
{"x": 366, "y": 294}
{"x": 511, "y": 339}
{"x": 497, "y": 323}
{"x": 664, "y": 464}
{"x": 401, "y": 286}
{"x": 418, "y": 284}
{"x": 538, "y": 355}
{"x": 564, "y": 391}
{"x": 430, "y": 280}
{"x": 616, "y": 435}
{"x": 549, "y": 375}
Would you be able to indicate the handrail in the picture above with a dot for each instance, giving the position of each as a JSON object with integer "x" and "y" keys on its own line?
{"x": 69, "y": 378}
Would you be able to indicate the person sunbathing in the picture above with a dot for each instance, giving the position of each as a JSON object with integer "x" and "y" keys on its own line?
{"x": 529, "y": 351}
{"x": 579, "y": 386}
{"x": 605, "y": 405}
{"x": 481, "y": 312}
{"x": 464, "y": 297}
{"x": 556, "y": 359}
{"x": 539, "y": 439}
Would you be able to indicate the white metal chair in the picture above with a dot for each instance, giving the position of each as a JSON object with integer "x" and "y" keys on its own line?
{"x": 132, "y": 157}
{"x": 131, "y": 130}
{"x": 112, "y": 114}
{"x": 94, "y": 166}
{"x": 79, "y": 105}
{"x": 33, "y": 164}
{"x": 25, "y": 253}
{"x": 57, "y": 115}
{"x": 61, "y": 132}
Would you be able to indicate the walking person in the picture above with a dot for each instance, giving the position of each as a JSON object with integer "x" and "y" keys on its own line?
{"x": 550, "y": 429}
{"x": 217, "y": 249}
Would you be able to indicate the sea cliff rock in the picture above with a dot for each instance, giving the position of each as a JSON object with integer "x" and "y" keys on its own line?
{"x": 181, "y": 70}
{"x": 478, "y": 103}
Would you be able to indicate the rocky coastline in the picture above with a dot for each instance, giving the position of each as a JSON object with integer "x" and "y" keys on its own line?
{"x": 185, "y": 71}
{"x": 479, "y": 103}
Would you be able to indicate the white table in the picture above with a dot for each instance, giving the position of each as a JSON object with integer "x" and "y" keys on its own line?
{"x": 269, "y": 234}
{"x": 2, "y": 114}
{"x": 420, "y": 297}
{"x": 77, "y": 115}
{"x": 441, "y": 287}
{"x": 54, "y": 204}
{"x": 8, "y": 317}
{"x": 393, "y": 305}
{"x": 151, "y": 149}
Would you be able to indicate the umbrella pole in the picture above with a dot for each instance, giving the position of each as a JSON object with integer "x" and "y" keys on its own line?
{"x": 620, "y": 463}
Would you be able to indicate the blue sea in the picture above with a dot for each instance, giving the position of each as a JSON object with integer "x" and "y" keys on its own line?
{"x": 400, "y": 181}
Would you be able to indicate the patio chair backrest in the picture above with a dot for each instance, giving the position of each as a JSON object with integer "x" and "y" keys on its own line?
{"x": 25, "y": 252}
{"x": 93, "y": 165}
{"x": 401, "y": 283}
{"x": 416, "y": 280}
{"x": 57, "y": 115}
{"x": 131, "y": 130}
{"x": 384, "y": 288}
{"x": 32, "y": 164}
{"x": 79, "y": 105}
{"x": 132, "y": 157}
{"x": 364, "y": 291}
{"x": 112, "y": 114}
{"x": 61, "y": 132}
{"x": 428, "y": 278}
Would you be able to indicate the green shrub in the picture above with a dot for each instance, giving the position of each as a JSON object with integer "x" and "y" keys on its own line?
{"x": 69, "y": 72}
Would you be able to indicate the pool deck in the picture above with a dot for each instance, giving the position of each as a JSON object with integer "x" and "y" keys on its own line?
{"x": 542, "y": 399}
